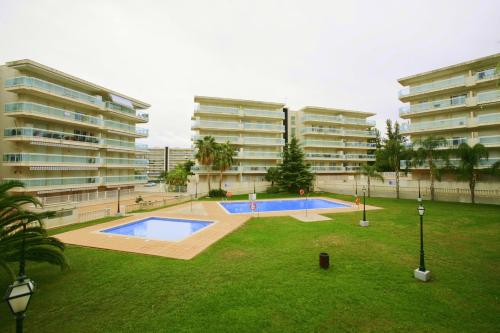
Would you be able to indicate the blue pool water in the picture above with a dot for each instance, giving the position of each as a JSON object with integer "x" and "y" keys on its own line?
{"x": 279, "y": 205}
{"x": 159, "y": 228}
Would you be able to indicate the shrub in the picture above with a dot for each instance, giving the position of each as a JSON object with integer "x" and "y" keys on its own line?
{"x": 138, "y": 199}
{"x": 273, "y": 189}
{"x": 217, "y": 193}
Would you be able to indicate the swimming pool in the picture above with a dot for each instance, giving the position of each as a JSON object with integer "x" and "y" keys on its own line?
{"x": 280, "y": 205}
{"x": 159, "y": 228}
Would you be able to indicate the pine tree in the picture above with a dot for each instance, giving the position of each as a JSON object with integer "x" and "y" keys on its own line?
{"x": 295, "y": 174}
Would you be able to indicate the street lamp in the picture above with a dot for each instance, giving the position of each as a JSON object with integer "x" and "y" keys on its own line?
{"x": 118, "y": 208}
{"x": 364, "y": 222}
{"x": 421, "y": 273}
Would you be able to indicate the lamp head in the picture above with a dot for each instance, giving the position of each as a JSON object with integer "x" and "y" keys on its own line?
{"x": 18, "y": 295}
{"x": 421, "y": 210}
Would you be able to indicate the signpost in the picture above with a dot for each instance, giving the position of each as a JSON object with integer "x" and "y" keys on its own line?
{"x": 301, "y": 192}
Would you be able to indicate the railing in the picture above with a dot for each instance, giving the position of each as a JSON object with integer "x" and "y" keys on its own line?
{"x": 320, "y": 130}
{"x": 264, "y": 113}
{"x": 217, "y": 109}
{"x": 54, "y": 89}
{"x": 126, "y": 161}
{"x": 333, "y": 168}
{"x": 264, "y": 141}
{"x": 260, "y": 154}
{"x": 40, "y": 133}
{"x": 488, "y": 96}
{"x": 39, "y": 182}
{"x": 339, "y": 144}
{"x": 488, "y": 118}
{"x": 51, "y": 158}
{"x": 205, "y": 168}
{"x": 119, "y": 143}
{"x": 141, "y": 146}
{"x": 338, "y": 119}
{"x": 269, "y": 127}
{"x": 125, "y": 127}
{"x": 486, "y": 74}
{"x": 125, "y": 179}
{"x": 219, "y": 139}
{"x": 452, "y": 162}
{"x": 254, "y": 168}
{"x": 120, "y": 108}
{"x": 216, "y": 124}
{"x": 490, "y": 140}
{"x": 434, "y": 105}
{"x": 40, "y": 109}
{"x": 436, "y": 85}
{"x": 445, "y": 123}
{"x": 341, "y": 156}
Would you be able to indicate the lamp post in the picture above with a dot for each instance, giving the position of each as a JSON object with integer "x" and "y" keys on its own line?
{"x": 19, "y": 293}
{"x": 364, "y": 222}
{"x": 421, "y": 273}
{"x": 118, "y": 206}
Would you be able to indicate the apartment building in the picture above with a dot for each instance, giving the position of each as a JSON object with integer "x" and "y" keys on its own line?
{"x": 65, "y": 135}
{"x": 335, "y": 141}
{"x": 255, "y": 128}
{"x": 176, "y": 156}
{"x": 460, "y": 103}
{"x": 156, "y": 162}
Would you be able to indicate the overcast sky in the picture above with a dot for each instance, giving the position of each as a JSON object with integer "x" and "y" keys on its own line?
{"x": 344, "y": 54}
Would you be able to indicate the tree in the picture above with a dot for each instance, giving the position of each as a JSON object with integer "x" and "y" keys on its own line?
{"x": 223, "y": 159}
{"x": 470, "y": 158}
{"x": 370, "y": 171}
{"x": 206, "y": 153}
{"x": 294, "y": 171}
{"x": 188, "y": 165}
{"x": 273, "y": 175}
{"x": 177, "y": 177}
{"x": 18, "y": 224}
{"x": 431, "y": 150}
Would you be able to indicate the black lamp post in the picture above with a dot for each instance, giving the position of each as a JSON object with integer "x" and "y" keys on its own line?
{"x": 118, "y": 208}
{"x": 19, "y": 293}
{"x": 364, "y": 222}
{"x": 421, "y": 272}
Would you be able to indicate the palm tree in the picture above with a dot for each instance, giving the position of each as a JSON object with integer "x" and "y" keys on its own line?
{"x": 272, "y": 175}
{"x": 206, "y": 153}
{"x": 370, "y": 171}
{"x": 470, "y": 158}
{"x": 429, "y": 151}
{"x": 223, "y": 159}
{"x": 18, "y": 226}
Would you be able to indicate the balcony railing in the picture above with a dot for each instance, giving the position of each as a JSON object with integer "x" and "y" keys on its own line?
{"x": 254, "y": 168}
{"x": 452, "y": 162}
{"x": 40, "y": 133}
{"x": 57, "y": 181}
{"x": 125, "y": 128}
{"x": 219, "y": 138}
{"x": 126, "y": 110}
{"x": 332, "y": 168}
{"x": 39, "y": 109}
{"x": 126, "y": 161}
{"x": 50, "y": 158}
{"x": 216, "y": 124}
{"x": 339, "y": 144}
{"x": 54, "y": 89}
{"x": 268, "y": 127}
{"x": 486, "y": 74}
{"x": 338, "y": 119}
{"x": 488, "y": 96}
{"x": 336, "y": 131}
{"x": 218, "y": 109}
{"x": 434, "y": 105}
{"x": 488, "y": 118}
{"x": 340, "y": 156}
{"x": 264, "y": 113}
{"x": 119, "y": 143}
{"x": 426, "y": 125}
{"x": 259, "y": 154}
{"x": 456, "y": 81}
{"x": 490, "y": 140}
{"x": 125, "y": 179}
{"x": 141, "y": 146}
{"x": 264, "y": 141}
{"x": 205, "y": 168}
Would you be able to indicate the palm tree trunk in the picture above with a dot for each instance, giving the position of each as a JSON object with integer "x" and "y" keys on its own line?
{"x": 472, "y": 186}
{"x": 397, "y": 183}
{"x": 368, "y": 186}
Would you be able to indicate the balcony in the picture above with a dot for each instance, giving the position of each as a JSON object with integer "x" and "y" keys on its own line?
{"x": 121, "y": 110}
{"x": 254, "y": 168}
{"x": 141, "y": 146}
{"x": 264, "y": 127}
{"x": 337, "y": 132}
{"x": 210, "y": 169}
{"x": 443, "y": 104}
{"x": 54, "y": 137}
{"x": 492, "y": 96}
{"x": 113, "y": 144}
{"x": 125, "y": 162}
{"x": 488, "y": 119}
{"x": 339, "y": 144}
{"x": 40, "y": 111}
{"x": 486, "y": 75}
{"x": 127, "y": 179}
{"x": 62, "y": 183}
{"x": 338, "y": 120}
{"x": 263, "y": 141}
{"x": 32, "y": 159}
{"x": 24, "y": 83}
{"x": 122, "y": 128}
{"x": 457, "y": 81}
{"x": 279, "y": 114}
{"x": 490, "y": 141}
{"x": 453, "y": 163}
{"x": 220, "y": 138}
{"x": 269, "y": 155}
{"x": 222, "y": 110}
{"x": 434, "y": 125}
{"x": 327, "y": 156}
{"x": 228, "y": 125}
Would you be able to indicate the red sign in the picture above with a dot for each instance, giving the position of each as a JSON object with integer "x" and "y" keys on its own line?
{"x": 301, "y": 192}
{"x": 253, "y": 206}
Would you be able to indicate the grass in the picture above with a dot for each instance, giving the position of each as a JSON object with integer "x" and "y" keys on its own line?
{"x": 264, "y": 277}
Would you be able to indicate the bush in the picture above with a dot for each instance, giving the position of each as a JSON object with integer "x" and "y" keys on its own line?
{"x": 139, "y": 199}
{"x": 273, "y": 189}
{"x": 217, "y": 193}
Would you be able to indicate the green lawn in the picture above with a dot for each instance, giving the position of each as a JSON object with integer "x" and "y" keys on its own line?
{"x": 264, "y": 277}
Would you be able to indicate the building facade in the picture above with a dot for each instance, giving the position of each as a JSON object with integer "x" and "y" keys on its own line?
{"x": 64, "y": 135}
{"x": 176, "y": 156}
{"x": 460, "y": 103}
{"x": 156, "y": 162}
{"x": 335, "y": 141}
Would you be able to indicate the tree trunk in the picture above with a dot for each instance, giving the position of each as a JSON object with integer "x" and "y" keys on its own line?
{"x": 397, "y": 183}
{"x": 431, "y": 178}
{"x": 368, "y": 186}
{"x": 472, "y": 186}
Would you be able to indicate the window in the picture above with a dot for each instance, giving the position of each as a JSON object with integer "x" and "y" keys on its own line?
{"x": 292, "y": 120}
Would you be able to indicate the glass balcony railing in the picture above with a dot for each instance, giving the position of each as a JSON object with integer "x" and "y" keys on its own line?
{"x": 125, "y": 179}
{"x": 54, "y": 89}
{"x": 216, "y": 124}
{"x": 125, "y": 128}
{"x": 426, "y": 125}
{"x": 119, "y": 143}
{"x": 259, "y": 154}
{"x": 120, "y": 108}
{"x": 40, "y": 133}
{"x": 330, "y": 168}
{"x": 340, "y": 156}
{"x": 339, "y": 144}
{"x": 217, "y": 109}
{"x": 50, "y": 158}
{"x": 141, "y": 146}
{"x": 205, "y": 168}
{"x": 264, "y": 141}
{"x": 490, "y": 140}
{"x": 322, "y": 130}
{"x": 267, "y": 127}
{"x": 59, "y": 181}
{"x": 219, "y": 138}
{"x": 126, "y": 161}
{"x": 39, "y": 109}
{"x": 436, "y": 85}
{"x": 486, "y": 74}
{"x": 452, "y": 162}
{"x": 488, "y": 96}
{"x": 254, "y": 168}
{"x": 434, "y": 105}
{"x": 264, "y": 113}
{"x": 338, "y": 119}
{"x": 488, "y": 118}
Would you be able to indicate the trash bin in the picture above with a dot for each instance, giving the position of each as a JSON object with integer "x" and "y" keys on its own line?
{"x": 324, "y": 260}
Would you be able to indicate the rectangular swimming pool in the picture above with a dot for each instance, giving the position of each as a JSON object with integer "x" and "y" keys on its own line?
{"x": 159, "y": 228}
{"x": 280, "y": 205}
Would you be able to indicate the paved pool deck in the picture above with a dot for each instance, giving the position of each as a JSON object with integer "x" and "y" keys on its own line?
{"x": 224, "y": 224}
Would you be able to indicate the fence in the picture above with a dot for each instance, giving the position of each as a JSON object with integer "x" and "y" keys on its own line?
{"x": 93, "y": 215}
{"x": 84, "y": 197}
{"x": 157, "y": 203}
